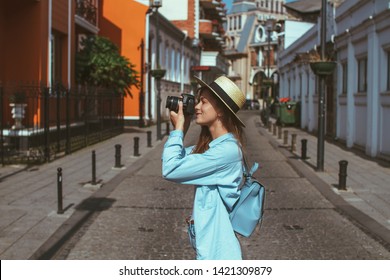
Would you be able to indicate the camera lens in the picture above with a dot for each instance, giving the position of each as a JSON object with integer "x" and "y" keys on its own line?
{"x": 172, "y": 103}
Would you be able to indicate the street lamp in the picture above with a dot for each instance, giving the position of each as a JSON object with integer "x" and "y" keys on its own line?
{"x": 157, "y": 73}
{"x": 270, "y": 28}
{"x": 321, "y": 105}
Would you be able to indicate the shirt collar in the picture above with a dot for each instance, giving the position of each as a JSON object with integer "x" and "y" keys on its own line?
{"x": 220, "y": 139}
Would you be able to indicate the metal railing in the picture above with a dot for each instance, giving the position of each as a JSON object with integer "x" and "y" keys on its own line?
{"x": 56, "y": 121}
{"x": 87, "y": 10}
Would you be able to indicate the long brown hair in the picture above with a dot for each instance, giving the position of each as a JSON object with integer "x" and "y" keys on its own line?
{"x": 228, "y": 120}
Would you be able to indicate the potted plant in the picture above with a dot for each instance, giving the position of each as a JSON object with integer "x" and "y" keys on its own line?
{"x": 321, "y": 67}
{"x": 158, "y": 73}
{"x": 18, "y": 104}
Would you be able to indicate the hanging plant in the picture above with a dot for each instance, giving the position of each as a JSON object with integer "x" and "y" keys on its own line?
{"x": 158, "y": 73}
{"x": 322, "y": 68}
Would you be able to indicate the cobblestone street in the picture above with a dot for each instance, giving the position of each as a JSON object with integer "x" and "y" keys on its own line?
{"x": 143, "y": 217}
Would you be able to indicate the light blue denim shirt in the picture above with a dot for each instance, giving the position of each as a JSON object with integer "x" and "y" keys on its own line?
{"x": 216, "y": 174}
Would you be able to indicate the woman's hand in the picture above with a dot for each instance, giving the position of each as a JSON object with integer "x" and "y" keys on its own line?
{"x": 179, "y": 120}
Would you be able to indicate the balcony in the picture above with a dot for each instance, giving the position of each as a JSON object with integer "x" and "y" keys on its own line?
{"x": 210, "y": 29}
{"x": 86, "y": 14}
{"x": 232, "y": 75}
{"x": 209, "y": 3}
{"x": 214, "y": 9}
{"x": 214, "y": 60}
{"x": 205, "y": 26}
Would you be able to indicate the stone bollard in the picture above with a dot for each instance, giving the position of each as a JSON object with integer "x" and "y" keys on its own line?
{"x": 279, "y": 132}
{"x": 136, "y": 147}
{"x": 293, "y": 142}
{"x": 60, "y": 209}
{"x": 269, "y": 126}
{"x": 343, "y": 175}
{"x": 149, "y": 137}
{"x": 93, "y": 182}
{"x": 285, "y": 137}
{"x": 304, "y": 149}
{"x": 118, "y": 156}
{"x": 274, "y": 129}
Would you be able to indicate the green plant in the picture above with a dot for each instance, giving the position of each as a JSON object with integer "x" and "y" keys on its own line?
{"x": 100, "y": 64}
{"x": 158, "y": 73}
{"x": 314, "y": 56}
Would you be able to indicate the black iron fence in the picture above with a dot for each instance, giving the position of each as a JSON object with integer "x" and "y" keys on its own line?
{"x": 38, "y": 124}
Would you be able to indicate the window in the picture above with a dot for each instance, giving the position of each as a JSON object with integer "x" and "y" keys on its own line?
{"x": 178, "y": 68}
{"x": 345, "y": 78}
{"x": 172, "y": 77}
{"x": 388, "y": 70}
{"x": 362, "y": 74}
{"x": 186, "y": 69}
{"x": 289, "y": 87}
{"x": 307, "y": 83}
{"x": 57, "y": 42}
{"x": 300, "y": 86}
{"x": 239, "y": 22}
{"x": 167, "y": 59}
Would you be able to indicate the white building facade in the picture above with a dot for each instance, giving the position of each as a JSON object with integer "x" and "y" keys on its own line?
{"x": 358, "y": 93}
{"x": 247, "y": 45}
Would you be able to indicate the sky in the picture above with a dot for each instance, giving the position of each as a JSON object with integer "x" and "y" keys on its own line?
{"x": 229, "y": 3}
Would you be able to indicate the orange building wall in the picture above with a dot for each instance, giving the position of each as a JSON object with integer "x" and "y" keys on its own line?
{"x": 2, "y": 34}
{"x": 124, "y": 23}
{"x": 26, "y": 42}
{"x": 60, "y": 15}
{"x": 60, "y": 25}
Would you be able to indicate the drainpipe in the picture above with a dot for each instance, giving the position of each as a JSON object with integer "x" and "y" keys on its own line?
{"x": 196, "y": 27}
{"x": 50, "y": 46}
{"x": 148, "y": 99}
{"x": 321, "y": 97}
{"x": 69, "y": 42}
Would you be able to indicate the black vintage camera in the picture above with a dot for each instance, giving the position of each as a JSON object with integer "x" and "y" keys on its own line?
{"x": 188, "y": 103}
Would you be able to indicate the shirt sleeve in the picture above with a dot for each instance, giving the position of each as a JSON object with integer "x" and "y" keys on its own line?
{"x": 220, "y": 165}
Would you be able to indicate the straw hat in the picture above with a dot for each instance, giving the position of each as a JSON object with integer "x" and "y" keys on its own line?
{"x": 228, "y": 92}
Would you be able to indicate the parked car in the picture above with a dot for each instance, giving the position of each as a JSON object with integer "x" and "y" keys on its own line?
{"x": 252, "y": 104}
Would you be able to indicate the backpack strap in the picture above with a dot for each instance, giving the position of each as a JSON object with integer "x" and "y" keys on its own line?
{"x": 255, "y": 166}
{"x": 248, "y": 173}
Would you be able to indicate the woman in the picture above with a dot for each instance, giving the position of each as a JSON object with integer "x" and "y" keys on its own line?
{"x": 214, "y": 166}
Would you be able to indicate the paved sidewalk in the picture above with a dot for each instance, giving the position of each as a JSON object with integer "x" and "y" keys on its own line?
{"x": 28, "y": 194}
{"x": 368, "y": 180}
